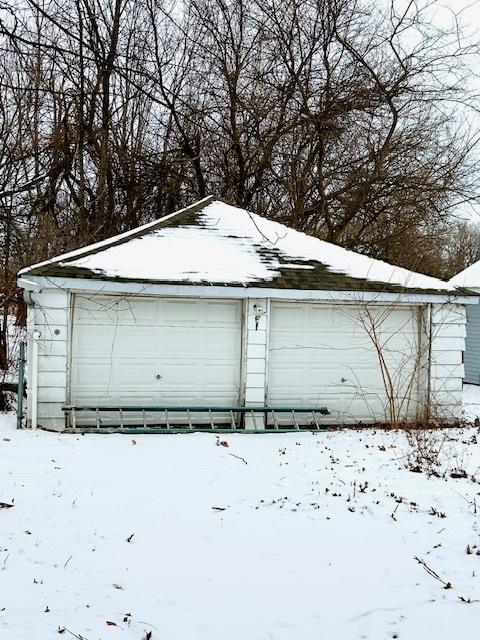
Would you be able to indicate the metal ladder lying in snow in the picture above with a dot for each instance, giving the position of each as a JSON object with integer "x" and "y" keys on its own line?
{"x": 226, "y": 414}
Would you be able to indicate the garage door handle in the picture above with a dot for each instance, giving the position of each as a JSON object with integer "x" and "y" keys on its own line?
{"x": 158, "y": 376}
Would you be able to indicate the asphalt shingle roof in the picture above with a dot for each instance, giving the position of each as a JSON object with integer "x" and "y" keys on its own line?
{"x": 212, "y": 243}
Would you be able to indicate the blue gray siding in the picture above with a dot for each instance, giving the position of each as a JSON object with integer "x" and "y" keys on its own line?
{"x": 472, "y": 351}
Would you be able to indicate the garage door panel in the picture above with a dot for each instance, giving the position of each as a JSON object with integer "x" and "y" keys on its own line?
{"x": 121, "y": 340}
{"x": 109, "y": 310}
{"x": 91, "y": 373}
{"x": 114, "y": 398}
{"x": 318, "y": 340}
{"x": 286, "y": 377}
{"x": 97, "y": 344}
{"x": 132, "y": 374}
{"x": 177, "y": 342}
{"x": 178, "y": 313}
{"x": 213, "y": 373}
{"x": 103, "y": 376}
{"x": 176, "y": 376}
{"x": 135, "y": 343}
{"x": 328, "y": 319}
{"x": 193, "y": 345}
{"x": 322, "y": 355}
{"x": 130, "y": 313}
{"x": 223, "y": 314}
{"x": 182, "y": 342}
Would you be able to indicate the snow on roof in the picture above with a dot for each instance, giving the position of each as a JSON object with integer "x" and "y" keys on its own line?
{"x": 469, "y": 277}
{"x": 216, "y": 243}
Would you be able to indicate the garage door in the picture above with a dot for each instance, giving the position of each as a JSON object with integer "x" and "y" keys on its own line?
{"x": 325, "y": 355}
{"x": 142, "y": 351}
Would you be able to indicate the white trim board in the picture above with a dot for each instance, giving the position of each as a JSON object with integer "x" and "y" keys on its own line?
{"x": 216, "y": 291}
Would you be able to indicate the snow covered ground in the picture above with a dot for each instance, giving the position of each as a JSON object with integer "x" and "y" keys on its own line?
{"x": 311, "y": 536}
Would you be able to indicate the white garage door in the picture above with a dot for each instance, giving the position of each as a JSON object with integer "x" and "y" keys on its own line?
{"x": 141, "y": 351}
{"x": 323, "y": 355}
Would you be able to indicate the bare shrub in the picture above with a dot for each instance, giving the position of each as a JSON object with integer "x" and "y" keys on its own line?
{"x": 424, "y": 454}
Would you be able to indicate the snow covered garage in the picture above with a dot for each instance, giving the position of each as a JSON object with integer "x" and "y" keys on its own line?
{"x": 214, "y": 307}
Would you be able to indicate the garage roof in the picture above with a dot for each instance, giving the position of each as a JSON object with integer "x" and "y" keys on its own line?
{"x": 214, "y": 243}
{"x": 469, "y": 277}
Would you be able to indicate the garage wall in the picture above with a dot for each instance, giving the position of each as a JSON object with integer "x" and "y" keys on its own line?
{"x": 50, "y": 317}
{"x": 447, "y": 369}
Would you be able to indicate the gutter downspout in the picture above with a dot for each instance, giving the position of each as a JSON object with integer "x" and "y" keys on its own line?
{"x": 34, "y": 377}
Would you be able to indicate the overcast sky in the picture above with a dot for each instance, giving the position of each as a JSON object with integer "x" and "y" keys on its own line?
{"x": 465, "y": 14}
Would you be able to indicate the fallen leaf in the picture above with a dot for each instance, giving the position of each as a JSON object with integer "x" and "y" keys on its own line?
{"x": 111, "y": 624}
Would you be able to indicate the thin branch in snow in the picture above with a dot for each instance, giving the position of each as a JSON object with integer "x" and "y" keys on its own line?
{"x": 434, "y": 574}
{"x": 239, "y": 457}
{"x": 74, "y": 635}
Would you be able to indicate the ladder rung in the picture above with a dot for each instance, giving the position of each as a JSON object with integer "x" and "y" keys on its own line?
{"x": 275, "y": 421}
{"x": 295, "y": 419}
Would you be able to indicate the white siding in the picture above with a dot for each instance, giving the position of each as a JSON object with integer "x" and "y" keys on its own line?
{"x": 256, "y": 358}
{"x": 447, "y": 369}
{"x": 50, "y": 318}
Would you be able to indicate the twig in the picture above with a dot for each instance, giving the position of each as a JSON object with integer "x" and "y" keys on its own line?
{"x": 446, "y": 585}
{"x": 74, "y": 635}
{"x": 467, "y": 600}
{"x": 68, "y": 560}
{"x": 149, "y": 624}
{"x": 239, "y": 457}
